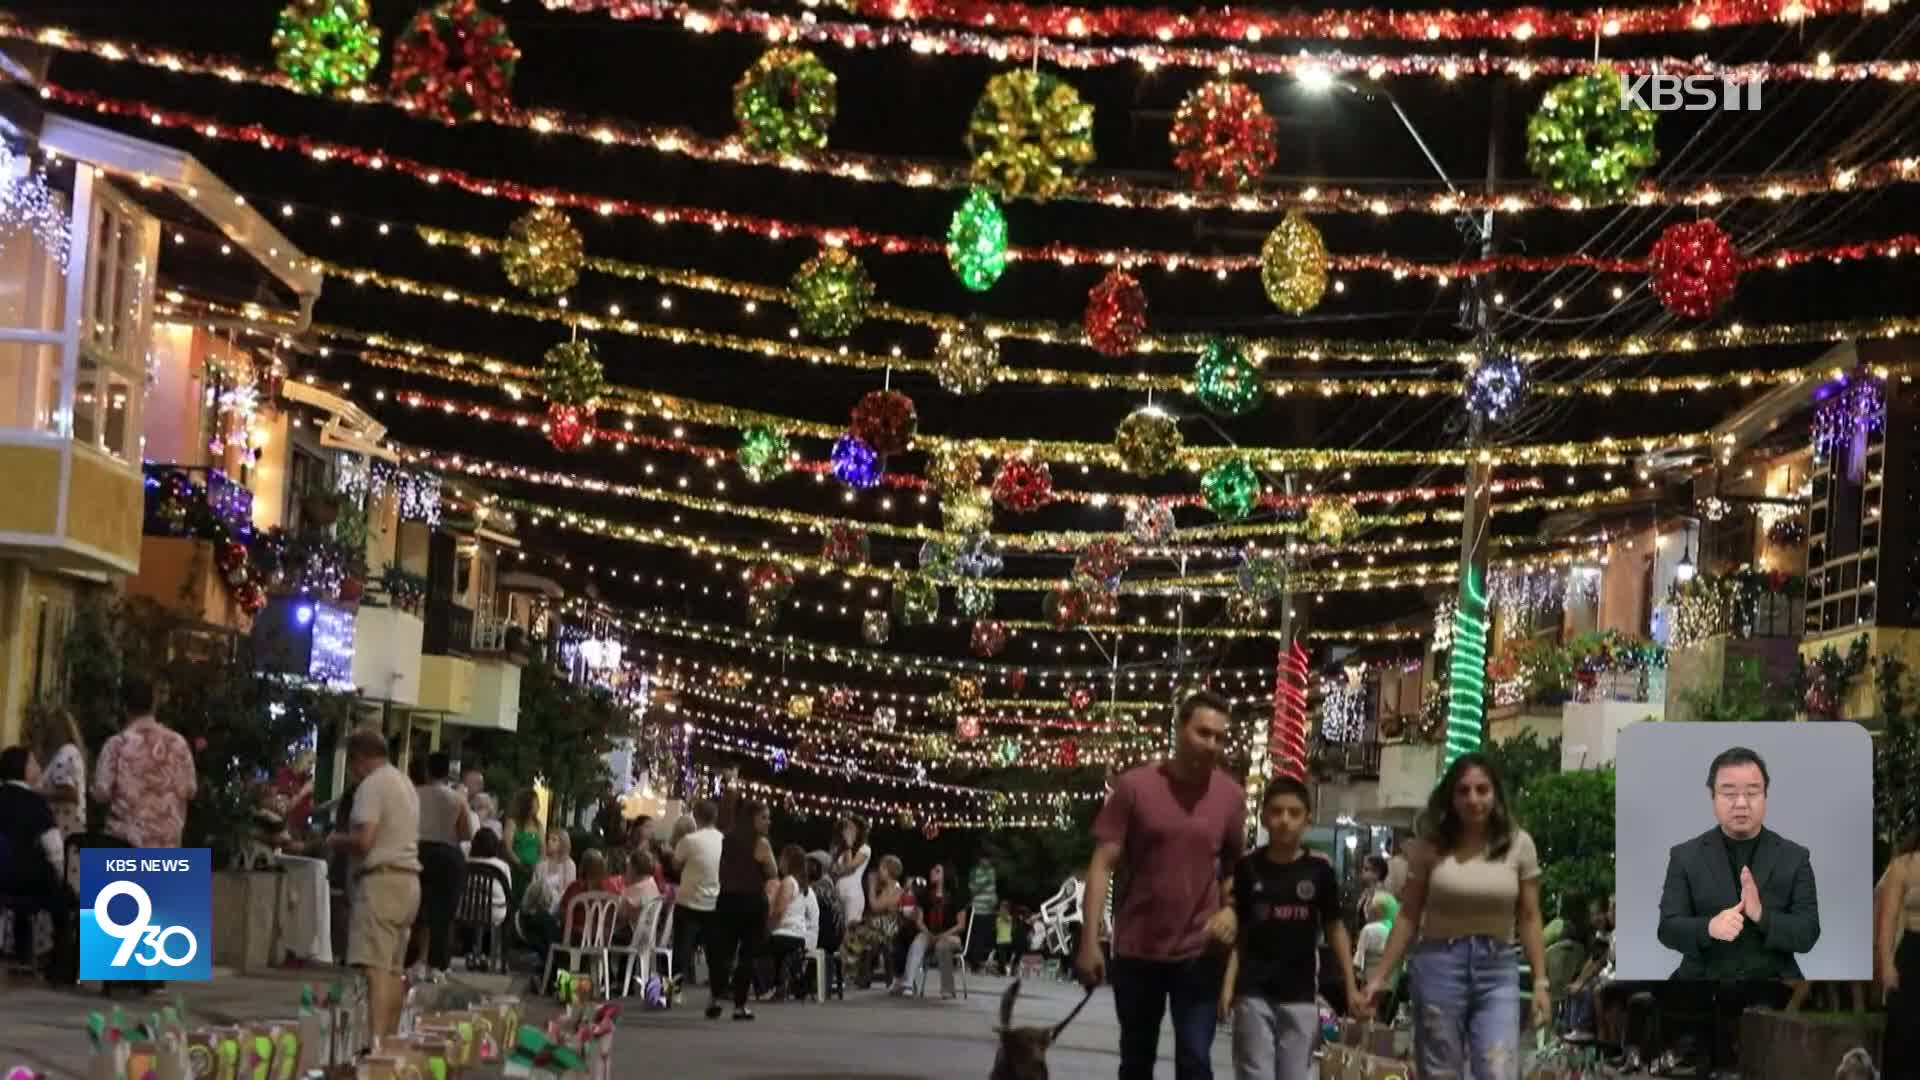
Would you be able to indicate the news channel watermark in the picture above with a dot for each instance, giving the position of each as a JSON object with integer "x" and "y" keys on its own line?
{"x": 146, "y": 914}
{"x": 1690, "y": 93}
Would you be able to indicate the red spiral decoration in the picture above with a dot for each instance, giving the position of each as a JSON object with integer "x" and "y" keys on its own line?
{"x": 1287, "y": 740}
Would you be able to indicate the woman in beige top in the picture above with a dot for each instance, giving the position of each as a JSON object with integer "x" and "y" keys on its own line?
{"x": 1472, "y": 889}
{"x": 1896, "y": 923}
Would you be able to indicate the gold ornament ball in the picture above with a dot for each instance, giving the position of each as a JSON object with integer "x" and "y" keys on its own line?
{"x": 968, "y": 511}
{"x": 543, "y": 252}
{"x": 1149, "y": 441}
{"x": 1331, "y": 520}
{"x": 965, "y": 360}
{"x": 1293, "y": 264}
{"x": 953, "y": 470}
{"x": 800, "y": 706}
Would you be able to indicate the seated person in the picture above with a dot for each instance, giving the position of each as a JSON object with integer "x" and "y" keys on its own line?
{"x": 34, "y": 859}
{"x": 593, "y": 878}
{"x": 616, "y": 871}
{"x": 793, "y": 918}
{"x": 641, "y": 890}
{"x": 485, "y": 851}
{"x": 552, "y": 874}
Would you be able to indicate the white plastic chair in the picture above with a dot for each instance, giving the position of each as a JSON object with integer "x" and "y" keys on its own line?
{"x": 1061, "y": 912}
{"x": 639, "y": 951}
{"x": 960, "y": 961}
{"x": 595, "y": 913}
{"x": 663, "y": 951}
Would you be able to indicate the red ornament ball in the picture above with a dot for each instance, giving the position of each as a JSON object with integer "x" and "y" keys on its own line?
{"x": 989, "y": 637}
{"x": 569, "y": 427}
{"x": 1080, "y": 698}
{"x": 1695, "y": 268}
{"x": 967, "y": 727}
{"x": 1023, "y": 485}
{"x": 1102, "y": 561}
{"x": 1116, "y": 316}
{"x": 885, "y": 421}
{"x": 251, "y": 598}
{"x": 455, "y": 62}
{"x": 1069, "y": 753}
{"x": 846, "y": 545}
{"x": 1222, "y": 137}
{"x": 230, "y": 556}
{"x": 1017, "y": 680}
{"x": 931, "y": 832}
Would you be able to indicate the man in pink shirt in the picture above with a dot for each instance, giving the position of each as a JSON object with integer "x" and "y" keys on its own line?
{"x": 1179, "y": 827}
{"x": 145, "y": 774}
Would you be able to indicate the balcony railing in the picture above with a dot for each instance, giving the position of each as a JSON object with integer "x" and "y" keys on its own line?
{"x": 197, "y": 500}
{"x": 490, "y": 633}
{"x": 1360, "y": 757}
{"x": 1647, "y": 684}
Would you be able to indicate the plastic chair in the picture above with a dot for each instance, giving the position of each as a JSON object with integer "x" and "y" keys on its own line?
{"x": 960, "y": 961}
{"x": 475, "y": 912}
{"x": 663, "y": 948}
{"x": 595, "y": 914}
{"x": 640, "y": 949}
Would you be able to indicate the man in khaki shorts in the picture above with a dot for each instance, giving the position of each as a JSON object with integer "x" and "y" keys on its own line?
{"x": 384, "y": 842}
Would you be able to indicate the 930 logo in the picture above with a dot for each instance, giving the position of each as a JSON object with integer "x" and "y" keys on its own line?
{"x": 146, "y": 914}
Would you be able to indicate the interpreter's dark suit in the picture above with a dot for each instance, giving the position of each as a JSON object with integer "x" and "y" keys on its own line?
{"x": 1701, "y": 883}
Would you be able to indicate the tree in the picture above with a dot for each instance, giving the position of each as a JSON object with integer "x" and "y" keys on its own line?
{"x": 1524, "y": 758}
{"x": 565, "y": 732}
{"x": 1570, "y": 817}
{"x": 1743, "y": 697}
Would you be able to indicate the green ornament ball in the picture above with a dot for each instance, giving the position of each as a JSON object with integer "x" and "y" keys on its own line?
{"x": 1231, "y": 488}
{"x": 785, "y": 102}
{"x": 916, "y": 601}
{"x": 830, "y": 293}
{"x": 1581, "y": 142}
{"x": 326, "y": 46}
{"x": 1226, "y": 379}
{"x": 974, "y": 598}
{"x": 977, "y": 241}
{"x": 763, "y": 454}
{"x": 573, "y": 375}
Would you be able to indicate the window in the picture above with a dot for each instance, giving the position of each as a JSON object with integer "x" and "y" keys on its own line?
{"x": 306, "y": 475}
{"x": 118, "y": 300}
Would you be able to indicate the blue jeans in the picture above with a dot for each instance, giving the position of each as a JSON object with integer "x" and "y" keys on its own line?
{"x": 1466, "y": 1009}
{"x": 1141, "y": 991}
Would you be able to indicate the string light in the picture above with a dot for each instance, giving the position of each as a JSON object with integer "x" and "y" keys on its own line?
{"x": 1467, "y": 670}
{"x": 1287, "y": 745}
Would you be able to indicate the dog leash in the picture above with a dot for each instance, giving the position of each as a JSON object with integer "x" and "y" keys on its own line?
{"x": 1062, "y": 1025}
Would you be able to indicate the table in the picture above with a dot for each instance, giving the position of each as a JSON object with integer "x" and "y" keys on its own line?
{"x": 306, "y": 918}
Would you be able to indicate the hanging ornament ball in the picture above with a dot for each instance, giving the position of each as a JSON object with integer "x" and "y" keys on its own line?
{"x": 830, "y": 293}
{"x": 1102, "y": 562}
{"x": 229, "y": 556}
{"x": 846, "y": 545}
{"x": 454, "y": 62}
{"x": 884, "y": 718}
{"x": 1244, "y": 608}
{"x": 800, "y": 706}
{"x": 1695, "y": 268}
{"x": 1226, "y": 379}
{"x": 1293, "y": 265}
{"x": 978, "y": 556}
{"x": 916, "y": 601}
{"x": 1017, "y": 680}
{"x": 1582, "y": 142}
{"x": 969, "y": 511}
{"x": 251, "y": 598}
{"x": 977, "y": 241}
{"x": 1148, "y": 441}
{"x": 854, "y": 462}
{"x": 764, "y": 453}
{"x": 965, "y": 360}
{"x": 1331, "y": 519}
{"x": 964, "y": 688}
{"x": 326, "y": 46}
{"x": 885, "y": 420}
{"x": 952, "y": 469}
{"x": 989, "y": 637}
{"x": 569, "y": 427}
{"x": 785, "y": 102}
{"x": 1116, "y": 315}
{"x": 839, "y": 698}
{"x": 938, "y": 561}
{"x": 573, "y": 375}
{"x": 1222, "y": 137}
{"x": 1069, "y": 754}
{"x": 1023, "y": 485}
{"x": 1080, "y": 698}
{"x": 1007, "y": 751}
{"x": 1030, "y": 131}
{"x": 966, "y": 727}
{"x": 1076, "y": 603}
{"x": 875, "y": 627}
{"x": 973, "y": 597}
{"x": 733, "y": 679}
{"x": 1262, "y": 575}
{"x": 543, "y": 252}
{"x": 904, "y": 819}
{"x": 1231, "y": 488}
{"x": 1495, "y": 386}
{"x": 1150, "y": 522}
{"x": 931, "y": 830}
{"x": 770, "y": 580}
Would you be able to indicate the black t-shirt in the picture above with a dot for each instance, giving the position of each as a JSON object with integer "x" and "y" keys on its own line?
{"x": 941, "y": 913}
{"x": 1282, "y": 908}
{"x": 25, "y": 817}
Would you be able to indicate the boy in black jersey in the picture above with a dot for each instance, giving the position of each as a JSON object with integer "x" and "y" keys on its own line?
{"x": 1284, "y": 896}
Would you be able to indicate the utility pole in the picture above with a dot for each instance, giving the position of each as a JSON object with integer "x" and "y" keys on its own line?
{"x": 1466, "y": 686}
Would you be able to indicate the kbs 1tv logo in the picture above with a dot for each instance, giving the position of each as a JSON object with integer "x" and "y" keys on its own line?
{"x": 146, "y": 914}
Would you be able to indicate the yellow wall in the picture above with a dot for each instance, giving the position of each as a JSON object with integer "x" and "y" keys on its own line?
{"x": 24, "y": 594}
{"x": 104, "y": 506}
{"x": 32, "y": 504}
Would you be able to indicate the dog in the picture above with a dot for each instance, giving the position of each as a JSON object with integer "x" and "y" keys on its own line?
{"x": 1855, "y": 1064}
{"x": 1023, "y": 1051}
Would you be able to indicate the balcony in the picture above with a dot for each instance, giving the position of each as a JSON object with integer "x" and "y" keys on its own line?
{"x": 189, "y": 516}
{"x": 1725, "y": 627}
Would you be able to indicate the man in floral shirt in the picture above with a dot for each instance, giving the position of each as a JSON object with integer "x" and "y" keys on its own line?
{"x": 144, "y": 775}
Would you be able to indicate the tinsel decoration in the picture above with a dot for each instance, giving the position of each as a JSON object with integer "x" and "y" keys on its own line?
{"x": 1150, "y": 522}
{"x": 1102, "y": 562}
{"x": 326, "y": 46}
{"x": 1080, "y": 698}
{"x": 800, "y": 706}
{"x": 1029, "y": 132}
{"x": 1116, "y": 315}
{"x": 943, "y": 704}
{"x": 1293, "y": 265}
{"x": 1695, "y": 268}
{"x": 965, "y": 360}
{"x": 916, "y": 601}
{"x": 854, "y": 462}
{"x": 1022, "y": 486}
{"x": 977, "y": 241}
{"x": 989, "y": 637}
{"x": 764, "y": 454}
{"x": 830, "y": 293}
{"x": 1263, "y": 576}
{"x": 573, "y": 375}
{"x": 569, "y": 427}
{"x": 543, "y": 252}
{"x": 885, "y": 420}
{"x": 952, "y": 470}
{"x": 1331, "y": 519}
{"x": 785, "y": 102}
{"x": 846, "y": 545}
{"x": 1580, "y": 141}
{"x": 1231, "y": 488}
{"x": 455, "y": 62}
{"x": 1148, "y": 441}
{"x": 965, "y": 689}
{"x": 884, "y": 718}
{"x": 1495, "y": 386}
{"x": 966, "y": 727}
{"x": 969, "y": 511}
{"x": 1226, "y": 379}
{"x": 1222, "y": 137}
{"x": 876, "y": 627}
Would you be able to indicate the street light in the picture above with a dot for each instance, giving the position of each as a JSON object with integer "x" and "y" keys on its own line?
{"x": 1319, "y": 79}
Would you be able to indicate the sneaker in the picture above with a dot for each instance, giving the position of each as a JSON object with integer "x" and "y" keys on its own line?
{"x": 743, "y": 1013}
{"x": 713, "y": 1011}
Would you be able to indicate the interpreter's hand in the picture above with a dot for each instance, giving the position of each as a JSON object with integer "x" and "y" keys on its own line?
{"x": 1226, "y": 1007}
{"x": 1091, "y": 965}
{"x": 1223, "y": 927}
{"x": 1749, "y": 895}
{"x": 1542, "y": 1014}
{"x": 1727, "y": 925}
